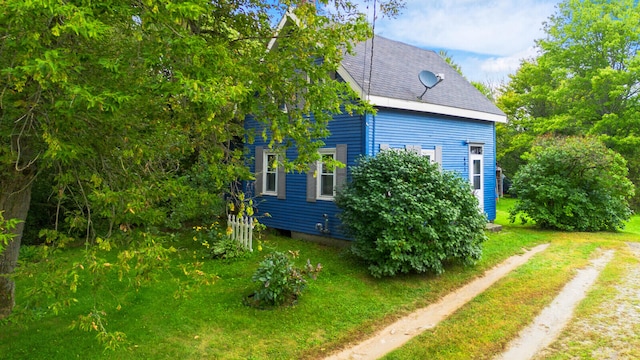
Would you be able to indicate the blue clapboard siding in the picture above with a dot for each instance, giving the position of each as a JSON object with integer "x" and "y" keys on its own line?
{"x": 363, "y": 135}
{"x": 295, "y": 213}
{"x": 398, "y": 128}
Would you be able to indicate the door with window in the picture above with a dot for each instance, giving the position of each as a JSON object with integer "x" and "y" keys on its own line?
{"x": 476, "y": 172}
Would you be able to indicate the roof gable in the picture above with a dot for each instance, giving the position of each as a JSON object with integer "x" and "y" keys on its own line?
{"x": 394, "y": 81}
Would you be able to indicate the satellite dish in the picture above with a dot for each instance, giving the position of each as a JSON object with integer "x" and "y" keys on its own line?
{"x": 429, "y": 80}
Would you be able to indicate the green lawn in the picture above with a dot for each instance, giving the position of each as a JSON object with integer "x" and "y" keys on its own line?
{"x": 483, "y": 328}
{"x": 343, "y": 305}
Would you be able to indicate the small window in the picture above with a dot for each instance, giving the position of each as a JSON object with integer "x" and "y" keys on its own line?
{"x": 326, "y": 175}
{"x": 431, "y": 154}
{"x": 477, "y": 174}
{"x": 271, "y": 174}
{"x": 475, "y": 150}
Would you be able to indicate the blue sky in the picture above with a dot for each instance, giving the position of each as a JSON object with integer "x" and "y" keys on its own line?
{"x": 487, "y": 38}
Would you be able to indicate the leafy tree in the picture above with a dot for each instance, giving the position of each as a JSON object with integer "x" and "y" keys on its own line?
{"x": 406, "y": 215}
{"x": 447, "y": 57}
{"x": 132, "y": 106}
{"x": 573, "y": 184}
{"x": 584, "y": 82}
{"x": 484, "y": 88}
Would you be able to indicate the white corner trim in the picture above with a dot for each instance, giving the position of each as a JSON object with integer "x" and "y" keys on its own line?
{"x": 350, "y": 80}
{"x": 418, "y": 105}
{"x": 289, "y": 15}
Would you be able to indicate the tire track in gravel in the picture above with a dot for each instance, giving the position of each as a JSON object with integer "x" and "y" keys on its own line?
{"x": 612, "y": 332}
{"x": 403, "y": 330}
{"x": 546, "y": 327}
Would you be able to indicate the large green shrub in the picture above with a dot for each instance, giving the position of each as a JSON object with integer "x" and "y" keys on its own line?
{"x": 406, "y": 215}
{"x": 573, "y": 184}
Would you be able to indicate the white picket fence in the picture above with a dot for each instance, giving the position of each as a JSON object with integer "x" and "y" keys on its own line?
{"x": 242, "y": 230}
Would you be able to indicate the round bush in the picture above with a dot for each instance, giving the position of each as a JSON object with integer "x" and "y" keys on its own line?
{"x": 573, "y": 184}
{"x": 281, "y": 282}
{"x": 406, "y": 215}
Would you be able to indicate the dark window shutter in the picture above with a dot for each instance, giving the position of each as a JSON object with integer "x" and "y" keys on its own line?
{"x": 341, "y": 173}
{"x": 311, "y": 183}
{"x": 282, "y": 182}
{"x": 439, "y": 155}
{"x": 259, "y": 169}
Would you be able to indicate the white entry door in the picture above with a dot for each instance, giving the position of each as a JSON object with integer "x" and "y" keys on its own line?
{"x": 476, "y": 172}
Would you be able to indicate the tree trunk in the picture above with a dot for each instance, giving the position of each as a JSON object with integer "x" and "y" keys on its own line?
{"x": 15, "y": 196}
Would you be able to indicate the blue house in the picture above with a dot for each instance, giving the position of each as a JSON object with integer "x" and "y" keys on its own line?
{"x": 452, "y": 123}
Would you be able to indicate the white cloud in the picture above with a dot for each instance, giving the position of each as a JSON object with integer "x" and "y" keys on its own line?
{"x": 507, "y": 63}
{"x": 500, "y": 28}
{"x": 487, "y": 38}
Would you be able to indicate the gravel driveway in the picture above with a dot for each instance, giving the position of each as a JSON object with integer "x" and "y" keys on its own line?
{"x": 611, "y": 333}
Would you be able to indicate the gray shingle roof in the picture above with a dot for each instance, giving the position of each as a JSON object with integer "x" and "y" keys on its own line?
{"x": 395, "y": 72}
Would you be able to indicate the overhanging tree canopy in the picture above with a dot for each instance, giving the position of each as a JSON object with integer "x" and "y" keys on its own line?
{"x": 120, "y": 99}
{"x": 586, "y": 81}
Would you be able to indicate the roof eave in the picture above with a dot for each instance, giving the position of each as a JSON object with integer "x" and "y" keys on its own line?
{"x": 435, "y": 109}
{"x": 288, "y": 16}
{"x": 420, "y": 106}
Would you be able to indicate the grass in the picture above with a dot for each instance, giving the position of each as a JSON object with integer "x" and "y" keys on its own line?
{"x": 607, "y": 323}
{"x": 343, "y": 305}
{"x": 483, "y": 328}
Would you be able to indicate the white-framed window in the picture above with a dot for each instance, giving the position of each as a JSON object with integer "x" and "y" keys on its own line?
{"x": 270, "y": 171}
{"x": 476, "y": 171}
{"x": 326, "y": 175}
{"x": 271, "y": 178}
{"x": 323, "y": 178}
{"x": 429, "y": 153}
{"x": 476, "y": 149}
{"x": 434, "y": 153}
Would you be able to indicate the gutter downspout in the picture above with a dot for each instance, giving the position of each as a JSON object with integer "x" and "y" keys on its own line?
{"x": 373, "y": 135}
{"x": 369, "y": 135}
{"x": 365, "y": 134}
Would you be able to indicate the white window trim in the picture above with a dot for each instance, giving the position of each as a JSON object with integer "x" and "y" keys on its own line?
{"x": 472, "y": 158}
{"x": 319, "y": 196}
{"x": 476, "y": 145}
{"x": 431, "y": 153}
{"x": 265, "y": 172}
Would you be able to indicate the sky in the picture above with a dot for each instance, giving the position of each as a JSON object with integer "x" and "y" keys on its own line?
{"x": 487, "y": 38}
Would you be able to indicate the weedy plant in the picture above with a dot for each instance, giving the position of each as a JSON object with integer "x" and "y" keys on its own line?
{"x": 217, "y": 243}
{"x": 281, "y": 282}
{"x": 6, "y": 226}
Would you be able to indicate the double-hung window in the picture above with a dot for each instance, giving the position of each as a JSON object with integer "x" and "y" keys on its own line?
{"x": 326, "y": 175}
{"x": 270, "y": 185}
{"x": 270, "y": 174}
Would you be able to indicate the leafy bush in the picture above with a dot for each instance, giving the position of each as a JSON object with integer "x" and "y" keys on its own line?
{"x": 6, "y": 228}
{"x": 406, "y": 215}
{"x": 30, "y": 253}
{"x": 573, "y": 184}
{"x": 227, "y": 248}
{"x": 281, "y": 282}
{"x": 216, "y": 241}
